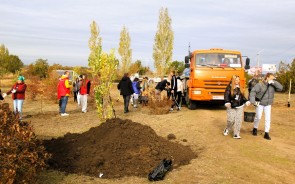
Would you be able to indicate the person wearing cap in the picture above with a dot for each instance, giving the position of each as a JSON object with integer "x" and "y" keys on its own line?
{"x": 18, "y": 95}
{"x": 63, "y": 92}
{"x": 265, "y": 92}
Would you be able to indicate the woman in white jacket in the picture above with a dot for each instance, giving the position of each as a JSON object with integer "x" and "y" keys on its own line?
{"x": 264, "y": 91}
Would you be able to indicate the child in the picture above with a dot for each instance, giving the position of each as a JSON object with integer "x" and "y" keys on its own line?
{"x": 145, "y": 91}
{"x": 136, "y": 88}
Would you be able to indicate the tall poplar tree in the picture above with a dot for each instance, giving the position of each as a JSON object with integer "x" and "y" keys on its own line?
{"x": 163, "y": 46}
{"x": 94, "y": 44}
{"x": 103, "y": 66}
{"x": 125, "y": 50}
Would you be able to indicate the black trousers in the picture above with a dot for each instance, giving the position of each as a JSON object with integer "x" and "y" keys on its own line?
{"x": 75, "y": 96}
{"x": 173, "y": 98}
{"x": 178, "y": 97}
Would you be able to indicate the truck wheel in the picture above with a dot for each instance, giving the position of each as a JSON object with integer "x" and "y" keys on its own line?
{"x": 190, "y": 103}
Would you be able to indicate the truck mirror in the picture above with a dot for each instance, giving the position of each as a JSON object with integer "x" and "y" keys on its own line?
{"x": 186, "y": 65}
{"x": 186, "y": 59}
{"x": 247, "y": 61}
{"x": 247, "y": 66}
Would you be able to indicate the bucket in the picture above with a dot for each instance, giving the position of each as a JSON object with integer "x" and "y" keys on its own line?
{"x": 249, "y": 116}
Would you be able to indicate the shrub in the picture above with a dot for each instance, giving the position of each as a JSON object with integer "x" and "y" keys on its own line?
{"x": 21, "y": 154}
{"x": 43, "y": 88}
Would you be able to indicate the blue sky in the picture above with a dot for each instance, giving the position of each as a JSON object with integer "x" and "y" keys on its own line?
{"x": 58, "y": 30}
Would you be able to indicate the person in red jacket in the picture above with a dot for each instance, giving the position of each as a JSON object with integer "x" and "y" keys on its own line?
{"x": 18, "y": 95}
{"x": 84, "y": 92}
{"x": 63, "y": 92}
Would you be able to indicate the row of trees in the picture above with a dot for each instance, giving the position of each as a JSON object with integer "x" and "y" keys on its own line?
{"x": 104, "y": 64}
{"x": 162, "y": 48}
{"x": 285, "y": 74}
{"x": 9, "y": 63}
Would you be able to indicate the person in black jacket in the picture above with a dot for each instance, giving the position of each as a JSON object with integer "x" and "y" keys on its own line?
{"x": 234, "y": 102}
{"x": 163, "y": 85}
{"x": 173, "y": 89}
{"x": 126, "y": 89}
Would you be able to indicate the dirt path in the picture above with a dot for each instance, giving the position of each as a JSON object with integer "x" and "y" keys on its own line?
{"x": 221, "y": 159}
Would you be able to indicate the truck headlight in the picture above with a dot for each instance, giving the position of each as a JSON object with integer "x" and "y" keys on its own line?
{"x": 197, "y": 92}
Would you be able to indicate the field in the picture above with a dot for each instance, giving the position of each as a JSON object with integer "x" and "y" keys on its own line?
{"x": 221, "y": 159}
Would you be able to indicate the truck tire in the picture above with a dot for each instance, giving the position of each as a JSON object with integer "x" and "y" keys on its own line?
{"x": 192, "y": 105}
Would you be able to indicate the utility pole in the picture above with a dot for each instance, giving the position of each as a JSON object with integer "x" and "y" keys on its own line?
{"x": 258, "y": 59}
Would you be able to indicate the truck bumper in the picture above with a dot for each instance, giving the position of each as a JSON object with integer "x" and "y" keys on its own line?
{"x": 201, "y": 94}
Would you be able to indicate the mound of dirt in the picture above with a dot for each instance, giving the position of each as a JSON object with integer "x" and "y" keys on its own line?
{"x": 116, "y": 148}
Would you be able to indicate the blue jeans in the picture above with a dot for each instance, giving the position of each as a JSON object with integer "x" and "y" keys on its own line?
{"x": 18, "y": 106}
{"x": 64, "y": 101}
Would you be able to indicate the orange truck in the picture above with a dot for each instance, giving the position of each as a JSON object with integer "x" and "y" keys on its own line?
{"x": 208, "y": 72}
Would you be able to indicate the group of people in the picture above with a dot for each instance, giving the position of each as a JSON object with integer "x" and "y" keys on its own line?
{"x": 133, "y": 91}
{"x": 81, "y": 90}
{"x": 261, "y": 95}
{"x": 174, "y": 87}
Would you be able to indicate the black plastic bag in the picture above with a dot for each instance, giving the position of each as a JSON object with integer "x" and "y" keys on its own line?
{"x": 160, "y": 171}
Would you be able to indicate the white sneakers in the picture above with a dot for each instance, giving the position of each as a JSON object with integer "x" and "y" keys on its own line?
{"x": 64, "y": 114}
{"x": 225, "y": 132}
{"x": 237, "y": 137}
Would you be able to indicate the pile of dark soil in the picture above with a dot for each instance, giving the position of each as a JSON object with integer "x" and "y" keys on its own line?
{"x": 116, "y": 148}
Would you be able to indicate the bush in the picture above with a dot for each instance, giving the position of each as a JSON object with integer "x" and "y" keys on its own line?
{"x": 43, "y": 88}
{"x": 285, "y": 74}
{"x": 21, "y": 154}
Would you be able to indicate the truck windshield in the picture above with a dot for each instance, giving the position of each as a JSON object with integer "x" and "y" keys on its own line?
{"x": 218, "y": 60}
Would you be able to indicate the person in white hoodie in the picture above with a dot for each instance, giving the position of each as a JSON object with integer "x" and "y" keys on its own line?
{"x": 179, "y": 92}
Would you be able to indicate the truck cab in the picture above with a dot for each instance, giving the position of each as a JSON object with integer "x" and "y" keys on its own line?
{"x": 208, "y": 72}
